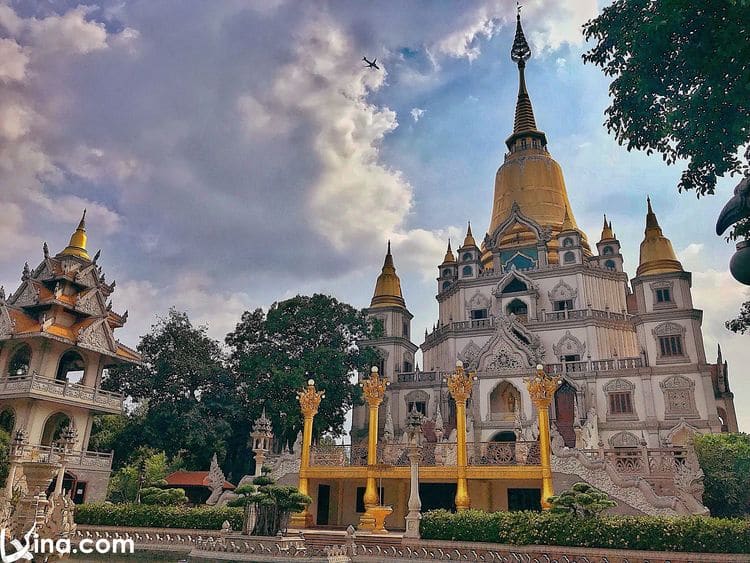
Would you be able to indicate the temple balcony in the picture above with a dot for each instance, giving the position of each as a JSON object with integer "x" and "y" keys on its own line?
{"x": 35, "y": 386}
{"x": 101, "y": 461}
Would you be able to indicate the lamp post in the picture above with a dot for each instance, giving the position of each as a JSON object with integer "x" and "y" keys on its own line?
{"x": 309, "y": 401}
{"x": 414, "y": 453}
{"x": 542, "y": 390}
{"x": 460, "y": 384}
{"x": 373, "y": 389}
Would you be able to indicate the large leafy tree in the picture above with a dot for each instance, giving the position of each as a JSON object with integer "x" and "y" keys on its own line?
{"x": 274, "y": 353}
{"x": 185, "y": 395}
{"x": 681, "y": 82}
{"x": 725, "y": 461}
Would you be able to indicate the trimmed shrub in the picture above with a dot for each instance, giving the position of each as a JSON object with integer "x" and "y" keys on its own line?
{"x": 685, "y": 534}
{"x": 154, "y": 516}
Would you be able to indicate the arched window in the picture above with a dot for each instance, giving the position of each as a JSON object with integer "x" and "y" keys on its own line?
{"x": 569, "y": 257}
{"x": 20, "y": 361}
{"x": 514, "y": 286}
{"x": 71, "y": 367}
{"x": 467, "y": 257}
{"x": 607, "y": 251}
{"x": 447, "y": 273}
{"x": 518, "y": 308}
{"x": 53, "y": 428}
{"x": 610, "y": 264}
{"x": 446, "y": 285}
{"x": 505, "y": 402}
{"x": 567, "y": 242}
{"x": 467, "y": 271}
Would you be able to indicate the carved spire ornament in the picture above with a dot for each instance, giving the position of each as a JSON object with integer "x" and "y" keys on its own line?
{"x": 309, "y": 399}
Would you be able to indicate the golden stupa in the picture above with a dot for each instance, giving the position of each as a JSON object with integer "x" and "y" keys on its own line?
{"x": 388, "y": 286}
{"x": 657, "y": 254}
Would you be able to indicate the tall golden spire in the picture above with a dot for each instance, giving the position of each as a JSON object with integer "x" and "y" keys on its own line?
{"x": 567, "y": 224}
{"x": 388, "y": 287}
{"x": 449, "y": 258}
{"x": 469, "y": 239}
{"x": 657, "y": 254}
{"x": 77, "y": 244}
{"x": 607, "y": 230}
{"x": 524, "y": 122}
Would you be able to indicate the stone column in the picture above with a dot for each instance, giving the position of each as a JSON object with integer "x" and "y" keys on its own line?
{"x": 309, "y": 401}
{"x": 414, "y": 452}
{"x": 460, "y": 384}
{"x": 374, "y": 391}
{"x": 542, "y": 390}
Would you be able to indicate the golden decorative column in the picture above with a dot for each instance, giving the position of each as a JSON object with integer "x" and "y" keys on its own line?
{"x": 542, "y": 390}
{"x": 309, "y": 401}
{"x": 374, "y": 391}
{"x": 460, "y": 384}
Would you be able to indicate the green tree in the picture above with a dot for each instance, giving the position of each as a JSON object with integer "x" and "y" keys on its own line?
{"x": 163, "y": 496}
{"x": 123, "y": 486}
{"x": 681, "y": 82}
{"x": 185, "y": 396}
{"x": 274, "y": 353}
{"x": 725, "y": 461}
{"x": 741, "y": 323}
{"x": 581, "y": 500}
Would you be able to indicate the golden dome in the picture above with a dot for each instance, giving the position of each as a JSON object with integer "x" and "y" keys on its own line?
{"x": 607, "y": 233}
{"x": 530, "y": 177}
{"x": 388, "y": 287}
{"x": 657, "y": 254}
{"x": 449, "y": 258}
{"x": 469, "y": 239}
{"x": 77, "y": 244}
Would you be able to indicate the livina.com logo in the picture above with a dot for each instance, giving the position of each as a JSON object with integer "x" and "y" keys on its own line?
{"x": 34, "y": 545}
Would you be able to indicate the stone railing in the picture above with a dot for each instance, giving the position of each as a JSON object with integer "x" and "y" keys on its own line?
{"x": 595, "y": 365}
{"x": 39, "y": 385}
{"x": 577, "y": 314}
{"x": 419, "y": 376}
{"x": 434, "y": 454}
{"x": 77, "y": 459}
{"x": 642, "y": 461}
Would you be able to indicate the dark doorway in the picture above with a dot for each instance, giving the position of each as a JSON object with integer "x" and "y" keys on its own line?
{"x": 437, "y": 495}
{"x": 565, "y": 404}
{"x": 524, "y": 499}
{"x": 504, "y": 436}
{"x": 69, "y": 485}
{"x": 324, "y": 503}
{"x": 79, "y": 493}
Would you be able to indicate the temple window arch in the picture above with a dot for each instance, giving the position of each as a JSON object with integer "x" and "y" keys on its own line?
{"x": 519, "y": 261}
{"x": 514, "y": 286}
{"x": 620, "y": 399}
{"x": 447, "y": 273}
{"x": 505, "y": 402}
{"x": 467, "y": 257}
{"x": 71, "y": 367}
{"x": 467, "y": 271}
{"x": 418, "y": 400}
{"x": 53, "y": 428}
{"x": 624, "y": 440}
{"x": 663, "y": 294}
{"x": 20, "y": 361}
{"x": 610, "y": 265}
{"x": 518, "y": 308}
{"x": 504, "y": 436}
{"x": 679, "y": 397}
{"x": 446, "y": 285}
{"x": 608, "y": 251}
{"x": 569, "y": 257}
{"x": 670, "y": 342}
{"x": 562, "y": 296}
{"x": 567, "y": 242}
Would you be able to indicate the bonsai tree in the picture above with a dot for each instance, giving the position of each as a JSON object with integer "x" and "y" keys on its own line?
{"x": 273, "y": 505}
{"x": 581, "y": 500}
{"x": 163, "y": 497}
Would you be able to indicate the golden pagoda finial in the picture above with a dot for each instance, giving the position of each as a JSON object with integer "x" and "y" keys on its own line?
{"x": 77, "y": 244}
{"x": 449, "y": 258}
{"x": 607, "y": 230}
{"x": 657, "y": 255}
{"x": 388, "y": 286}
{"x": 373, "y": 388}
{"x": 567, "y": 224}
{"x": 469, "y": 239}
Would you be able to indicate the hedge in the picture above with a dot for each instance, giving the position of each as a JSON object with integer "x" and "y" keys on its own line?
{"x": 696, "y": 534}
{"x": 152, "y": 516}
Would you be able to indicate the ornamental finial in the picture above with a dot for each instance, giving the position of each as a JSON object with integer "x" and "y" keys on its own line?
{"x": 309, "y": 399}
{"x": 460, "y": 383}
{"x": 520, "y": 52}
{"x": 374, "y": 387}
{"x": 542, "y": 387}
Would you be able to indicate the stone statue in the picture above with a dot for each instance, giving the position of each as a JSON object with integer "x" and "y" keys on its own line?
{"x": 590, "y": 431}
{"x": 216, "y": 480}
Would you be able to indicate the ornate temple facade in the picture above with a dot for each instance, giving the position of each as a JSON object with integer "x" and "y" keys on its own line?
{"x": 634, "y": 380}
{"x": 56, "y": 341}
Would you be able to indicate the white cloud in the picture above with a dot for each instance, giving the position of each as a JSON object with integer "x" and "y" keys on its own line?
{"x": 13, "y": 61}
{"x": 417, "y": 113}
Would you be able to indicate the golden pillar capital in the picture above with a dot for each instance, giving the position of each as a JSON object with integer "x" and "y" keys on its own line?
{"x": 373, "y": 388}
{"x": 542, "y": 389}
{"x": 309, "y": 399}
{"x": 460, "y": 384}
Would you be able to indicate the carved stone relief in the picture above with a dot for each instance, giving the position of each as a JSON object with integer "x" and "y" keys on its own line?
{"x": 29, "y": 295}
{"x": 624, "y": 440}
{"x": 478, "y": 301}
{"x": 562, "y": 292}
{"x": 569, "y": 345}
{"x": 469, "y": 355}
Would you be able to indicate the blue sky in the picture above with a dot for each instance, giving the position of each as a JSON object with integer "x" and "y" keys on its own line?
{"x": 234, "y": 153}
